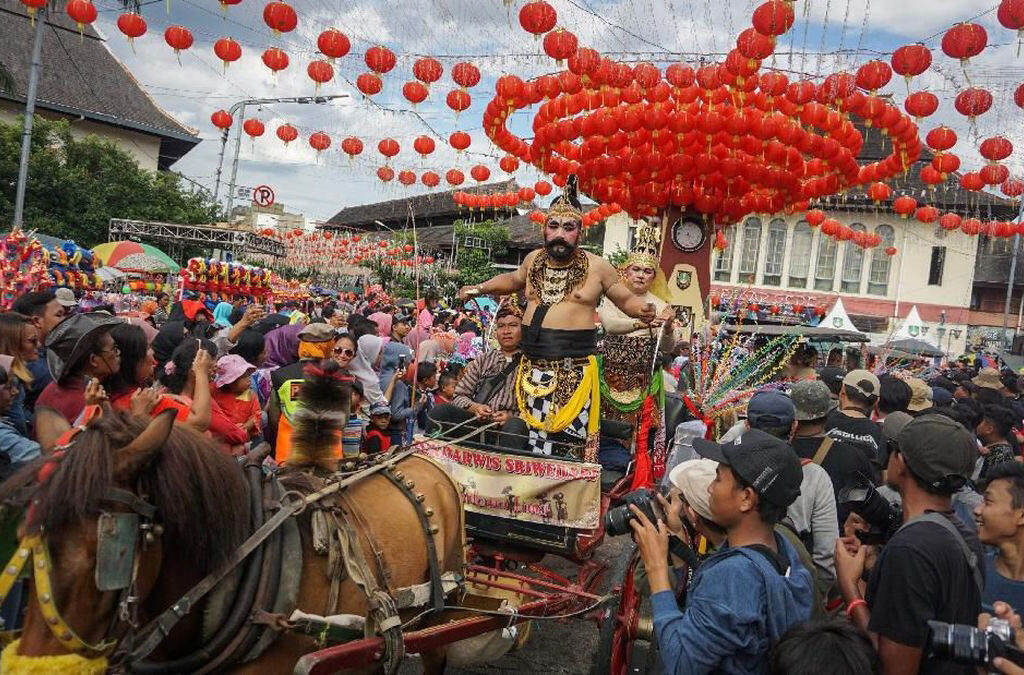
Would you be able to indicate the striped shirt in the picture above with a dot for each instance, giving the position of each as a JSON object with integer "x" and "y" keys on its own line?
{"x": 480, "y": 369}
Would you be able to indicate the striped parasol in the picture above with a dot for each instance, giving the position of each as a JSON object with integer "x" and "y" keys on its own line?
{"x": 135, "y": 257}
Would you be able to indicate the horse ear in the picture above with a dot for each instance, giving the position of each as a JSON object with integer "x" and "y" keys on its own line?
{"x": 132, "y": 458}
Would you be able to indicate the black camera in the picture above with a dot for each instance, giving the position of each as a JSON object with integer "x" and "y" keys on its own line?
{"x": 973, "y": 646}
{"x": 616, "y": 521}
{"x": 883, "y": 517}
{"x": 401, "y": 362}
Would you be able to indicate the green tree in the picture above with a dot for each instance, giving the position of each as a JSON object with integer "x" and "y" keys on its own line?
{"x": 76, "y": 186}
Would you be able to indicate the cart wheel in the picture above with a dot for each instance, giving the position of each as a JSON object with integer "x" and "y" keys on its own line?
{"x": 619, "y": 622}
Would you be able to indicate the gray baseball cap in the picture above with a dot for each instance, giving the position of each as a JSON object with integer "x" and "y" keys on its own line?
{"x": 812, "y": 399}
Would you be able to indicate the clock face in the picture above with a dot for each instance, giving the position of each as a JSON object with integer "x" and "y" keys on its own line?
{"x": 688, "y": 235}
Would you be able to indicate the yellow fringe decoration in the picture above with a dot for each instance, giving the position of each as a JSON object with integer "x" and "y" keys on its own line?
{"x": 559, "y": 419}
{"x": 13, "y": 663}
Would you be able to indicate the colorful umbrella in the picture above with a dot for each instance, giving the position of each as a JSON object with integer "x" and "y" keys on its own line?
{"x": 130, "y": 255}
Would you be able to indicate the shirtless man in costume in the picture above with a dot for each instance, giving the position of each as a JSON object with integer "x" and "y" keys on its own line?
{"x": 557, "y": 386}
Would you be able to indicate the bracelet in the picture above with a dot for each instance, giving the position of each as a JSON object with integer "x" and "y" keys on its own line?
{"x": 852, "y": 607}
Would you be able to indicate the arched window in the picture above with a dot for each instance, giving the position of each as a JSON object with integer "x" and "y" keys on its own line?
{"x": 750, "y": 251}
{"x": 825, "y": 267}
{"x": 878, "y": 274}
{"x": 800, "y": 255}
{"x": 723, "y": 259}
{"x": 853, "y": 264}
{"x": 775, "y": 252}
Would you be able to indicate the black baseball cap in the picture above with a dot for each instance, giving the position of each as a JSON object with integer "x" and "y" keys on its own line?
{"x": 938, "y": 450}
{"x": 767, "y": 463}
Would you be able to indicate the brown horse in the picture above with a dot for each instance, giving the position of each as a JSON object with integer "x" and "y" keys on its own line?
{"x": 202, "y": 506}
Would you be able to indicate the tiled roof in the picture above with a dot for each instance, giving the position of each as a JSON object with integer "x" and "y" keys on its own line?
{"x": 81, "y": 76}
{"x": 522, "y": 234}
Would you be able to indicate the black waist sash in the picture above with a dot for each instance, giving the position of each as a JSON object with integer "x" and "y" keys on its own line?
{"x": 554, "y": 343}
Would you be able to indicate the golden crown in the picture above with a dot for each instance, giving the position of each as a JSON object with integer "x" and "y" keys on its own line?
{"x": 646, "y": 246}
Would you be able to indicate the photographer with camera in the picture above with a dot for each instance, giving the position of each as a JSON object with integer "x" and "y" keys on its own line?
{"x": 931, "y": 568}
{"x": 749, "y": 592}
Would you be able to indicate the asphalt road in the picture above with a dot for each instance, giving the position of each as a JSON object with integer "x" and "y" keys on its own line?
{"x": 554, "y": 646}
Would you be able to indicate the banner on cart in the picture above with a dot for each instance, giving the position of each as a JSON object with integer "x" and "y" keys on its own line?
{"x": 534, "y": 489}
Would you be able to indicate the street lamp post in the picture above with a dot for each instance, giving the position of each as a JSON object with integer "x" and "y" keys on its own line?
{"x": 30, "y": 111}
{"x": 239, "y": 110}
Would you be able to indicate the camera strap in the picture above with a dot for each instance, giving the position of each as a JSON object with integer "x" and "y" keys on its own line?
{"x": 822, "y": 452}
{"x": 972, "y": 557}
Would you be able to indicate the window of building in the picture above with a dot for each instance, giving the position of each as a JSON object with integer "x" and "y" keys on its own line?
{"x": 630, "y": 237}
{"x": 800, "y": 256}
{"x": 825, "y": 267}
{"x": 751, "y": 249}
{"x": 937, "y": 265}
{"x": 881, "y": 264}
{"x": 775, "y": 253}
{"x": 723, "y": 259}
{"x": 853, "y": 264}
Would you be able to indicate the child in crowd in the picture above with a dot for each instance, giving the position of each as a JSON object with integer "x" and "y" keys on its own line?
{"x": 445, "y": 388}
{"x": 232, "y": 390}
{"x": 352, "y": 434}
{"x": 378, "y": 438}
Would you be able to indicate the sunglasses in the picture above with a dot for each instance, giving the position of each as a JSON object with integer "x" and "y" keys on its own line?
{"x": 344, "y": 351}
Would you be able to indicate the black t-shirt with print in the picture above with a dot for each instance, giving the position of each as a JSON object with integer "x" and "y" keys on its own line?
{"x": 845, "y": 464}
{"x": 861, "y": 432}
{"x": 922, "y": 575}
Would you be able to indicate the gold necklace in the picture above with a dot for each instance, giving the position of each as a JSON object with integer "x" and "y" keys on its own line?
{"x": 554, "y": 284}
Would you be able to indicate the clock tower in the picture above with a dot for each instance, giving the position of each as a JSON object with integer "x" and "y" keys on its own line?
{"x": 686, "y": 264}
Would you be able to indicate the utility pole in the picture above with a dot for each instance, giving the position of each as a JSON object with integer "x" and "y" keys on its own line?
{"x": 1007, "y": 341}
{"x": 237, "y": 111}
{"x": 30, "y": 111}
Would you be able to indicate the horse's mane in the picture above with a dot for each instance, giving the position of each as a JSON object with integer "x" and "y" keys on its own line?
{"x": 199, "y": 493}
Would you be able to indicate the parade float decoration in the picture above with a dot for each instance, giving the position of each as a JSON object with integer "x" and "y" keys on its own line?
{"x": 225, "y": 280}
{"x": 23, "y": 267}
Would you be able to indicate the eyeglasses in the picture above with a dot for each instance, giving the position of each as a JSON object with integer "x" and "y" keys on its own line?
{"x": 344, "y": 351}
{"x": 113, "y": 350}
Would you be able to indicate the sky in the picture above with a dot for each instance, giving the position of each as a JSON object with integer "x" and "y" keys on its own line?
{"x": 829, "y": 36}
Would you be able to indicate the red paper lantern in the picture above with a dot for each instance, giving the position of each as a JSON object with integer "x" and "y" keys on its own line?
{"x": 424, "y": 145}
{"x": 389, "y": 147}
{"x": 972, "y": 181}
{"x": 921, "y": 104}
{"x": 287, "y": 133}
{"x": 1018, "y": 96}
{"x": 415, "y": 92}
{"x": 537, "y": 217}
{"x": 526, "y": 194}
{"x": 178, "y": 37}
{"x": 1011, "y": 15}
{"x": 879, "y": 192}
{"x": 994, "y": 174}
{"x": 508, "y": 164}
{"x": 1012, "y": 188}
{"x": 890, "y": 251}
{"x": 369, "y": 84}
{"x": 973, "y": 102}
{"x": 946, "y": 163}
{"x": 949, "y": 221}
{"x": 560, "y": 44}
{"x": 82, "y": 12}
{"x": 753, "y": 45}
{"x": 537, "y": 17}
{"x": 460, "y": 140}
{"x": 586, "y": 61}
{"x": 454, "y": 177}
{"x": 33, "y": 6}
{"x": 911, "y": 60}
{"x": 427, "y": 70}
{"x": 964, "y": 41}
{"x": 320, "y": 72}
{"x": 927, "y": 214}
{"x": 873, "y": 75}
{"x": 352, "y": 146}
{"x": 465, "y": 74}
{"x": 773, "y": 18}
{"x": 280, "y": 17}
{"x": 222, "y": 119}
{"x": 333, "y": 44}
{"x": 931, "y": 176}
{"x": 319, "y": 141}
{"x": 386, "y": 174}
{"x": 815, "y": 217}
{"x": 275, "y": 59}
{"x": 380, "y": 59}
{"x": 941, "y": 138}
{"x": 130, "y": 24}
{"x": 227, "y": 50}
{"x": 458, "y": 100}
{"x": 480, "y": 173}
{"x": 253, "y": 127}
{"x": 431, "y": 180}
{"x": 830, "y": 227}
{"x": 904, "y": 205}
{"x": 996, "y": 148}
{"x": 542, "y": 187}
{"x": 971, "y": 226}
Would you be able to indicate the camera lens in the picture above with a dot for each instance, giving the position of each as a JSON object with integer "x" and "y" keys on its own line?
{"x": 957, "y": 643}
{"x": 616, "y": 521}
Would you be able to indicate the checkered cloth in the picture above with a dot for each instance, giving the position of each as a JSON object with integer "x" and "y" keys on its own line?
{"x": 556, "y": 444}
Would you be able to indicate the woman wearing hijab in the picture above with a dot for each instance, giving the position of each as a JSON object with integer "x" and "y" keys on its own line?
{"x": 364, "y": 367}
{"x": 282, "y": 346}
{"x": 222, "y": 314}
{"x": 166, "y": 341}
{"x": 383, "y": 321}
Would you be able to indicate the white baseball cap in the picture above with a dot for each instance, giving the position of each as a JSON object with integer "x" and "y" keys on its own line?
{"x": 692, "y": 478}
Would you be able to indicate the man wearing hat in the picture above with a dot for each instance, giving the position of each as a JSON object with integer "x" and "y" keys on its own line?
{"x": 748, "y": 593}
{"x": 988, "y": 378}
{"x": 920, "y": 397}
{"x": 78, "y": 349}
{"x": 401, "y": 325}
{"x": 316, "y": 343}
{"x": 932, "y": 568}
{"x": 852, "y": 421}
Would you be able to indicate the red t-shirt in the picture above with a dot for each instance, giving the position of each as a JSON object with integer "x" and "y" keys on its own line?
{"x": 240, "y": 409}
{"x": 67, "y": 398}
{"x": 181, "y": 404}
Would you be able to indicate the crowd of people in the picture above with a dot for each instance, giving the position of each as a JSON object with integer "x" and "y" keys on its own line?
{"x": 841, "y": 516}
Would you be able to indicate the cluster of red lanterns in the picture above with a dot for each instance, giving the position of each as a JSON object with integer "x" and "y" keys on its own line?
{"x": 768, "y": 306}
{"x": 326, "y": 251}
{"x": 499, "y": 200}
{"x": 830, "y": 227}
